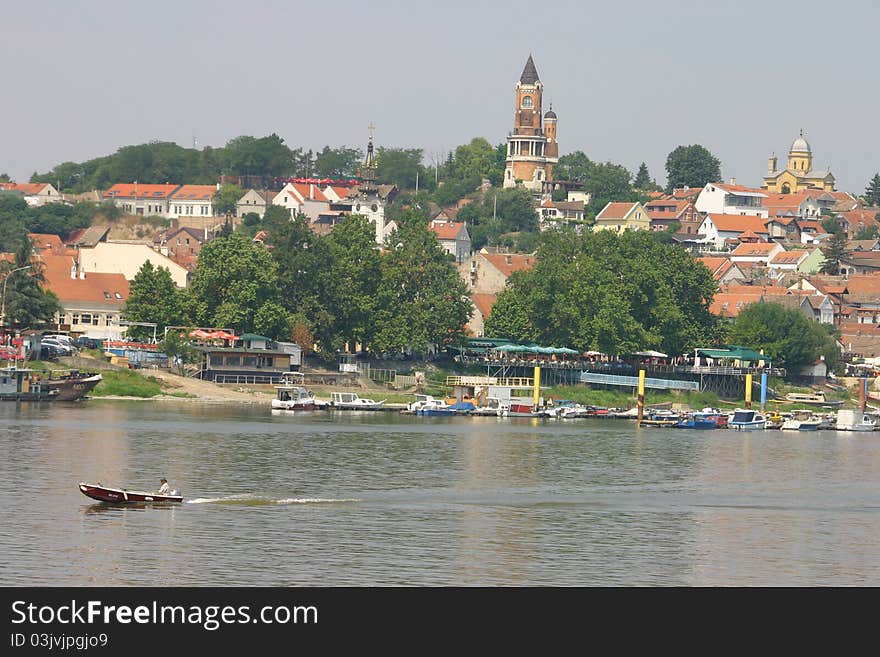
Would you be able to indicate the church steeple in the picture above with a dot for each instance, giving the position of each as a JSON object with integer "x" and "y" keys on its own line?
{"x": 368, "y": 172}
{"x": 530, "y": 73}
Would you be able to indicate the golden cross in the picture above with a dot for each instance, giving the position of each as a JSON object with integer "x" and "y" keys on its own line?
{"x": 371, "y": 128}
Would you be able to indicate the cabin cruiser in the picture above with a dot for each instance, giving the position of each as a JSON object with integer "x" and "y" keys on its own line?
{"x": 349, "y": 401}
{"x": 801, "y": 420}
{"x": 294, "y": 398}
{"x": 855, "y": 420}
{"x": 495, "y": 407}
{"x": 746, "y": 419}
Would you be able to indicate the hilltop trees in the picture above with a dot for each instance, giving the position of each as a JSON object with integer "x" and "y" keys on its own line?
{"x": 27, "y": 304}
{"x": 691, "y": 166}
{"x": 610, "y": 293}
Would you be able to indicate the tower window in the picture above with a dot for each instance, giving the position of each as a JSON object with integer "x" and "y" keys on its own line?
{"x": 527, "y": 102}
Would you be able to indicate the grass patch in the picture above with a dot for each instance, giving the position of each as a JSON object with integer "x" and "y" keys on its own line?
{"x": 620, "y": 399}
{"x": 182, "y": 395}
{"x": 127, "y": 383}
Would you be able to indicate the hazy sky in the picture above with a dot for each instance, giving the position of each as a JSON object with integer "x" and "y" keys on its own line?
{"x": 629, "y": 81}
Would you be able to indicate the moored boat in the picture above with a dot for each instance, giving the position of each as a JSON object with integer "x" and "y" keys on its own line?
{"x": 22, "y": 384}
{"x": 855, "y": 420}
{"x": 294, "y": 398}
{"x": 698, "y": 420}
{"x": 349, "y": 401}
{"x": 122, "y": 496}
{"x": 745, "y": 419}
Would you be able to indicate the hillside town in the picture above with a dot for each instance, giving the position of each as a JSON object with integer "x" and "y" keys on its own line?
{"x": 792, "y": 239}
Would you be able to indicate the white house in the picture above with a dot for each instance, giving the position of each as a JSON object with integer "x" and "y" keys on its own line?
{"x": 302, "y": 198}
{"x": 192, "y": 201}
{"x": 729, "y": 198}
{"x": 141, "y": 199}
{"x": 34, "y": 194}
{"x": 787, "y": 260}
{"x": 253, "y": 201}
{"x": 762, "y": 252}
{"x": 718, "y": 228}
{"x": 454, "y": 238}
{"x": 127, "y": 258}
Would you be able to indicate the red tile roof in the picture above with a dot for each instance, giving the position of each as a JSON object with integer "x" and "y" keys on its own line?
{"x": 730, "y": 187}
{"x": 484, "y": 303}
{"x": 447, "y": 230}
{"x": 788, "y": 257}
{"x": 48, "y": 243}
{"x": 28, "y": 189}
{"x": 717, "y": 265}
{"x": 137, "y": 190}
{"x": 194, "y": 193}
{"x": 507, "y": 263}
{"x": 754, "y": 249}
{"x": 615, "y": 210}
{"x": 94, "y": 288}
{"x": 739, "y": 223}
{"x": 728, "y": 304}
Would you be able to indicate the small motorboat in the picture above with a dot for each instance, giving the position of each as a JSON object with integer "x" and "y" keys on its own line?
{"x": 698, "y": 420}
{"x": 122, "y": 496}
{"x": 745, "y": 419}
{"x": 294, "y": 398}
{"x": 349, "y": 401}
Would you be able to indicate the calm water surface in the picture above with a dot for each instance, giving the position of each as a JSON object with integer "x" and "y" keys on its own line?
{"x": 362, "y": 499}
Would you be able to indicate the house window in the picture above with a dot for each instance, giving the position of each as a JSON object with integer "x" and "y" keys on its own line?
{"x": 117, "y": 295}
{"x": 86, "y": 319}
{"x": 95, "y": 319}
{"x": 107, "y": 295}
{"x": 75, "y": 318}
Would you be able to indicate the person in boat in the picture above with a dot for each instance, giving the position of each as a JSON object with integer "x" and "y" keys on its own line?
{"x": 164, "y": 489}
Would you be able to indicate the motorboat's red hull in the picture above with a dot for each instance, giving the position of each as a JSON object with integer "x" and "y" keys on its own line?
{"x": 122, "y": 496}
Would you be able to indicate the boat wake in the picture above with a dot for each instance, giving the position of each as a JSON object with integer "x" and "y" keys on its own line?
{"x": 258, "y": 500}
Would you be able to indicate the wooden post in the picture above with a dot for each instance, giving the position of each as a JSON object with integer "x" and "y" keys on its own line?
{"x": 748, "y": 390}
{"x": 537, "y": 387}
{"x": 863, "y": 394}
{"x": 641, "y": 401}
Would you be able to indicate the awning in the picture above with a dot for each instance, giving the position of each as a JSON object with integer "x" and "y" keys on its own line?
{"x": 651, "y": 354}
{"x": 734, "y": 352}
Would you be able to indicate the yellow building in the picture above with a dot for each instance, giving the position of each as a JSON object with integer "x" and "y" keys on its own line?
{"x": 622, "y": 216}
{"x": 799, "y": 174}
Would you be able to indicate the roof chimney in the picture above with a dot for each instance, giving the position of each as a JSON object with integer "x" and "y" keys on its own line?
{"x": 733, "y": 181}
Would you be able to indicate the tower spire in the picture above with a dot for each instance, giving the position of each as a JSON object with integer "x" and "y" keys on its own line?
{"x": 530, "y": 73}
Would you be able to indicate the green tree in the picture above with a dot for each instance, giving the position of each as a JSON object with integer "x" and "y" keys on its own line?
{"x": 477, "y": 159}
{"x": 27, "y": 303}
{"x": 234, "y": 278}
{"x": 643, "y": 178}
{"x": 400, "y": 166}
{"x": 785, "y": 335}
{"x": 338, "y": 162}
{"x": 691, "y": 166}
{"x": 872, "y": 191}
{"x": 608, "y": 182}
{"x": 835, "y": 249}
{"x": 576, "y": 167}
{"x": 153, "y": 297}
{"x": 226, "y": 198}
{"x": 266, "y": 157}
{"x": 4, "y": 177}
{"x": 609, "y": 292}
{"x": 180, "y": 352}
{"x": 421, "y": 301}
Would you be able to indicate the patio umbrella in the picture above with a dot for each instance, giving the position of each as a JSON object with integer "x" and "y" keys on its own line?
{"x": 651, "y": 354}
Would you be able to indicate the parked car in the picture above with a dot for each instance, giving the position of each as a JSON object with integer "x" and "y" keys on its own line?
{"x": 51, "y": 352}
{"x": 65, "y": 349}
{"x": 84, "y": 342}
{"x": 59, "y": 337}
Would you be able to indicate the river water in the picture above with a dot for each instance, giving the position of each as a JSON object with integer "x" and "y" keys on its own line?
{"x": 328, "y": 499}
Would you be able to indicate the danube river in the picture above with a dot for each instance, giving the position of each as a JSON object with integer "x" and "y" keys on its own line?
{"x": 328, "y": 499}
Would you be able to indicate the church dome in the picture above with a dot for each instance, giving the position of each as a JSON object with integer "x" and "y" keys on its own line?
{"x": 550, "y": 114}
{"x": 800, "y": 144}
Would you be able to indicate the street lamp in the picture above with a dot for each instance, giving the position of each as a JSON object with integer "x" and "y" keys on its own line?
{"x": 3, "y": 305}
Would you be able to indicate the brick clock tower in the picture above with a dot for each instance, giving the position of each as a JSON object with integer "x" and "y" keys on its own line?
{"x": 532, "y": 149}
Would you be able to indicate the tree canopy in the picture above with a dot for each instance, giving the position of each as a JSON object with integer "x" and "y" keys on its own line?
{"x": 691, "y": 166}
{"x": 785, "y": 335}
{"x": 613, "y": 293}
